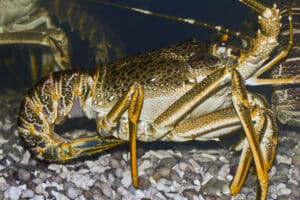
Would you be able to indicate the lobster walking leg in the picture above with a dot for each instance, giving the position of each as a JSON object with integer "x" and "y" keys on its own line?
{"x": 213, "y": 125}
{"x": 133, "y": 101}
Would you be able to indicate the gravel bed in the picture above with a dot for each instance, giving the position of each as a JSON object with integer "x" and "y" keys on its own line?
{"x": 190, "y": 170}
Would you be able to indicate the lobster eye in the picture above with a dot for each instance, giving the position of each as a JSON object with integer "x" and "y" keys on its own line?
{"x": 223, "y": 44}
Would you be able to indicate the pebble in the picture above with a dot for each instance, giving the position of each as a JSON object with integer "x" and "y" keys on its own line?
{"x": 283, "y": 159}
{"x": 13, "y": 193}
{"x": 82, "y": 181}
{"x": 106, "y": 189}
{"x": 144, "y": 183}
{"x": 27, "y": 194}
{"x": 59, "y": 195}
{"x": 26, "y": 157}
{"x": 126, "y": 180}
{"x": 38, "y": 197}
{"x": 190, "y": 193}
{"x": 162, "y": 172}
{"x": 73, "y": 192}
{"x": 168, "y": 162}
{"x": 139, "y": 194}
{"x": 3, "y": 184}
{"x": 178, "y": 173}
{"x": 296, "y": 160}
{"x": 192, "y": 176}
{"x": 284, "y": 191}
{"x": 23, "y": 175}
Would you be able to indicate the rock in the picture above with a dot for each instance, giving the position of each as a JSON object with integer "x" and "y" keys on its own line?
{"x": 144, "y": 183}
{"x": 3, "y": 184}
{"x": 283, "y": 159}
{"x": 73, "y": 192}
{"x": 81, "y": 181}
{"x": 26, "y": 157}
{"x": 296, "y": 160}
{"x": 23, "y": 175}
{"x": 13, "y": 193}
{"x": 59, "y": 196}
{"x": 139, "y": 194}
{"x": 284, "y": 191}
{"x": 106, "y": 189}
{"x": 161, "y": 172}
{"x": 27, "y": 194}
{"x": 190, "y": 193}
{"x": 168, "y": 162}
{"x": 38, "y": 197}
{"x": 114, "y": 163}
{"x": 192, "y": 176}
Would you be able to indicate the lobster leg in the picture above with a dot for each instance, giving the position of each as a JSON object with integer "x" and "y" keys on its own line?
{"x": 242, "y": 107}
{"x": 81, "y": 147}
{"x": 178, "y": 110}
{"x": 223, "y": 122}
{"x": 54, "y": 38}
{"x": 133, "y": 101}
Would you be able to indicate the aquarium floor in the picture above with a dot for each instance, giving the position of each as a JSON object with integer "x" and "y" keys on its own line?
{"x": 166, "y": 170}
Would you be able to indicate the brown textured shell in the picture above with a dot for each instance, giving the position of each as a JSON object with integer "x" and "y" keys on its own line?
{"x": 166, "y": 72}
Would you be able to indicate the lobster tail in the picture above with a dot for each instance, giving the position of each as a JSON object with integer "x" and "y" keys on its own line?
{"x": 48, "y": 103}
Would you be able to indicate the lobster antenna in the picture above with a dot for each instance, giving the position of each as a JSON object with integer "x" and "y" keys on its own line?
{"x": 218, "y": 28}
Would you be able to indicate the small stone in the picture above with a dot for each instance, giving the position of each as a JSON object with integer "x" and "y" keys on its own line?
{"x": 145, "y": 165}
{"x": 3, "y": 184}
{"x": 23, "y": 175}
{"x": 223, "y": 172}
{"x": 106, "y": 189}
{"x": 39, "y": 189}
{"x": 164, "y": 185}
{"x": 7, "y": 125}
{"x": 175, "y": 176}
{"x": 73, "y": 192}
{"x": 168, "y": 162}
{"x": 38, "y": 197}
{"x": 144, "y": 183}
{"x": 82, "y": 181}
{"x": 119, "y": 172}
{"x": 283, "y": 159}
{"x": 59, "y": 196}
{"x": 192, "y": 176}
{"x": 139, "y": 194}
{"x": 13, "y": 193}
{"x": 116, "y": 155}
{"x": 161, "y": 172}
{"x": 190, "y": 193}
{"x": 251, "y": 196}
{"x": 126, "y": 180}
{"x": 25, "y": 158}
{"x": 284, "y": 191}
{"x": 295, "y": 192}
{"x": 27, "y": 194}
{"x": 223, "y": 159}
{"x": 296, "y": 160}
{"x": 55, "y": 167}
{"x": 114, "y": 163}
{"x": 196, "y": 182}
{"x": 149, "y": 171}
{"x": 68, "y": 185}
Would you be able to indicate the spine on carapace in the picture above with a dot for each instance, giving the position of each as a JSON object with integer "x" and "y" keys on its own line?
{"x": 48, "y": 103}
